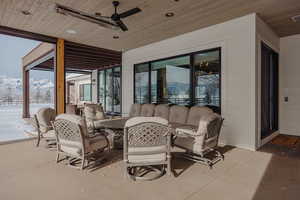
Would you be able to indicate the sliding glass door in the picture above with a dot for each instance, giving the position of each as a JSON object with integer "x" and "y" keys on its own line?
{"x": 109, "y": 89}
{"x": 269, "y": 91}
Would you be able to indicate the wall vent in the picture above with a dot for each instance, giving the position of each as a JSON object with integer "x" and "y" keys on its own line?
{"x": 296, "y": 18}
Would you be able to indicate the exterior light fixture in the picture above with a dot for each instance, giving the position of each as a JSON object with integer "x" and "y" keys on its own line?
{"x": 169, "y": 14}
{"x": 25, "y": 12}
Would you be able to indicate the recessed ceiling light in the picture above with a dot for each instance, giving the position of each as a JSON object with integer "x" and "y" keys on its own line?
{"x": 176, "y": 0}
{"x": 25, "y": 12}
{"x": 169, "y": 14}
{"x": 116, "y": 37}
{"x": 98, "y": 14}
{"x": 71, "y": 31}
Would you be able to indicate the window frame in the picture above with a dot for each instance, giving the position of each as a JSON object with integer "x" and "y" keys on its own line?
{"x": 113, "y": 112}
{"x": 192, "y": 74}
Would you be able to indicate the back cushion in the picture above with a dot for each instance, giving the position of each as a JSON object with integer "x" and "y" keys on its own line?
{"x": 93, "y": 112}
{"x": 135, "y": 110}
{"x": 147, "y": 110}
{"x": 162, "y": 110}
{"x": 178, "y": 114}
{"x": 196, "y": 112}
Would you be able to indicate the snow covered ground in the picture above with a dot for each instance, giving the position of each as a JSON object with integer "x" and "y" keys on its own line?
{"x": 12, "y": 126}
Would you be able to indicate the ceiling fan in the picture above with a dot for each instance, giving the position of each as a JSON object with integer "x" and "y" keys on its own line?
{"x": 112, "y": 22}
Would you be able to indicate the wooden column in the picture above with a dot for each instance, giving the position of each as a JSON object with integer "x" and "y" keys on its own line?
{"x": 26, "y": 113}
{"x": 60, "y": 77}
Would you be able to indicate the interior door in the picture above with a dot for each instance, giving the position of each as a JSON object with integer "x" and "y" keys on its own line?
{"x": 269, "y": 91}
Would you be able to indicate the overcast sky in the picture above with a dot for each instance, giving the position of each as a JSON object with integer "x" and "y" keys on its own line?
{"x": 12, "y": 49}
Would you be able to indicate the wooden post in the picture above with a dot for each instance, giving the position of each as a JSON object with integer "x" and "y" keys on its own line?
{"x": 26, "y": 113}
{"x": 60, "y": 77}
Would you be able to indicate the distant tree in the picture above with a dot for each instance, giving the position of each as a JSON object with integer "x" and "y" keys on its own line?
{"x": 47, "y": 96}
{"x": 38, "y": 94}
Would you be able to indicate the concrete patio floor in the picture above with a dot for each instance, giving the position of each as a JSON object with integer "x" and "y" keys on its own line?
{"x": 31, "y": 173}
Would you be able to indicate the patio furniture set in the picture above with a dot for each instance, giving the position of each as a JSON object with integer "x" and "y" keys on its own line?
{"x": 146, "y": 136}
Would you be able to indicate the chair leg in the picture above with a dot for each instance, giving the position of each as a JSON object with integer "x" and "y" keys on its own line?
{"x": 83, "y": 163}
{"x": 38, "y": 141}
{"x": 57, "y": 158}
{"x": 169, "y": 168}
{"x": 126, "y": 175}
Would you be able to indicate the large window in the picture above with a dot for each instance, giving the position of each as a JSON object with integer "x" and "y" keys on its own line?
{"x": 109, "y": 89}
{"x": 192, "y": 79}
{"x": 85, "y": 92}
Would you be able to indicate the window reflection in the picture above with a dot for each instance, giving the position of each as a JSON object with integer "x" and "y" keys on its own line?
{"x": 170, "y": 81}
{"x": 101, "y": 92}
{"x": 207, "y": 78}
{"x": 109, "y": 90}
{"x": 117, "y": 90}
{"x": 142, "y": 83}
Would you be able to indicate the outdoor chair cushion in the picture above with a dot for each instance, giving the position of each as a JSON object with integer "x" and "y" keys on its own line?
{"x": 44, "y": 117}
{"x": 178, "y": 114}
{"x": 162, "y": 110}
{"x": 195, "y": 113}
{"x": 147, "y": 110}
{"x": 135, "y": 110}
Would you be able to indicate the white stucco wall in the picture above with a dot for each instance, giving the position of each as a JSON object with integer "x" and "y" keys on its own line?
{"x": 290, "y": 85}
{"x": 263, "y": 34}
{"x": 238, "y": 42}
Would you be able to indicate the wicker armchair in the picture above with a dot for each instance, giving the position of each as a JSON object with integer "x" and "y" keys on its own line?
{"x": 199, "y": 141}
{"x": 147, "y": 142}
{"x": 43, "y": 119}
{"x": 75, "y": 143}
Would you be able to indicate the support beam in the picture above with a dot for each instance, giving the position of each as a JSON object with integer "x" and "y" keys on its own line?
{"x": 60, "y": 77}
{"x": 26, "y": 112}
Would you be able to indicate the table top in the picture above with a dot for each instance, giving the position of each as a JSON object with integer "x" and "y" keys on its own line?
{"x": 114, "y": 123}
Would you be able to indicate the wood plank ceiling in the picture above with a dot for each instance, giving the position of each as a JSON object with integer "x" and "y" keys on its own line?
{"x": 146, "y": 27}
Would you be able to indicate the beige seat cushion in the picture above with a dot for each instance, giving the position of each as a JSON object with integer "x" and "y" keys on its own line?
{"x": 147, "y": 110}
{"x": 162, "y": 110}
{"x": 135, "y": 110}
{"x": 195, "y": 113}
{"x": 49, "y": 134}
{"x": 178, "y": 114}
{"x": 186, "y": 130}
{"x": 136, "y": 154}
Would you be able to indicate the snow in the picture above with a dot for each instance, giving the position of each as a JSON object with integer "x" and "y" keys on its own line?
{"x": 12, "y": 126}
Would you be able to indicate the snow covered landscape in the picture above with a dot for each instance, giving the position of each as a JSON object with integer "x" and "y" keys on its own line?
{"x": 12, "y": 126}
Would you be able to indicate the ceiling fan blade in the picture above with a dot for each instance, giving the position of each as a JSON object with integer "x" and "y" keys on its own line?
{"x": 107, "y": 23}
{"x": 130, "y": 12}
{"x": 121, "y": 25}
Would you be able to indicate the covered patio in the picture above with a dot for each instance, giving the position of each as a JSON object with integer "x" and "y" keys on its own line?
{"x": 183, "y": 77}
